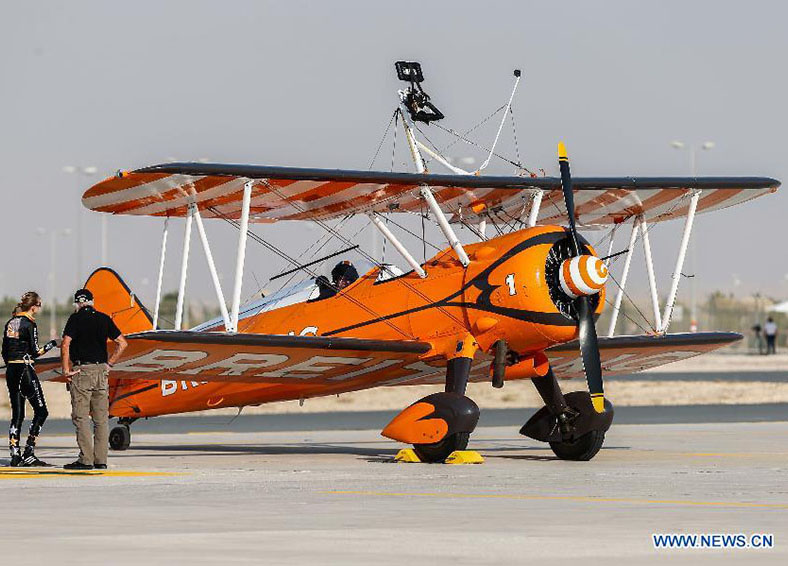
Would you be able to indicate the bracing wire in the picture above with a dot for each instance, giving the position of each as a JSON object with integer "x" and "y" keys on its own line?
{"x": 640, "y": 312}
{"x": 397, "y": 113}
{"x": 406, "y": 230}
{"x": 514, "y": 135}
{"x": 364, "y": 254}
{"x": 383, "y": 139}
{"x": 479, "y": 146}
{"x": 459, "y": 137}
{"x": 651, "y": 225}
{"x": 295, "y": 262}
{"x": 317, "y": 251}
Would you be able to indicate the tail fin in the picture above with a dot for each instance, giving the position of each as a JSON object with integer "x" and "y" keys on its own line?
{"x": 113, "y": 297}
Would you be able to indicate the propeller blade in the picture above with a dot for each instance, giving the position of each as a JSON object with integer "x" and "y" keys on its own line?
{"x": 589, "y": 350}
{"x": 569, "y": 196}
{"x": 589, "y": 345}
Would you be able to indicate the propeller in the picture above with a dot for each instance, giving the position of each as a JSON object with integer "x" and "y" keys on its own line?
{"x": 589, "y": 345}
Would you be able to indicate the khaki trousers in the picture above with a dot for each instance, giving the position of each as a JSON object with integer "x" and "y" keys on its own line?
{"x": 90, "y": 398}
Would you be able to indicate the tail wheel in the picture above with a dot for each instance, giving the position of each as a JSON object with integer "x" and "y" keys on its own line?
{"x": 120, "y": 437}
{"x": 439, "y": 451}
{"x": 582, "y": 449}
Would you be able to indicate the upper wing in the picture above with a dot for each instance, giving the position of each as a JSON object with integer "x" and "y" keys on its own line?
{"x": 261, "y": 358}
{"x": 286, "y": 193}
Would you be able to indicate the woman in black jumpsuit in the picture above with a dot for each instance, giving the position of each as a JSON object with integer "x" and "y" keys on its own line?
{"x": 20, "y": 348}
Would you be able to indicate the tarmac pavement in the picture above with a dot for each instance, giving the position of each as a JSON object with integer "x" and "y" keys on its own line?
{"x": 371, "y": 420}
{"x": 336, "y": 497}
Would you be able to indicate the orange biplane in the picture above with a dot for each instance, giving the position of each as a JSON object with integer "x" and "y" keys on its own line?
{"x": 519, "y": 305}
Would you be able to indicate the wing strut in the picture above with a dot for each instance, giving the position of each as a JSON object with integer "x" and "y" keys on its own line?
{"x": 380, "y": 225}
{"x": 624, "y": 275}
{"x": 652, "y": 282}
{"x": 241, "y": 256}
{"x": 427, "y": 195}
{"x": 161, "y": 273}
{"x": 661, "y": 323}
{"x": 187, "y": 236}
{"x": 437, "y": 157}
{"x": 674, "y": 285}
{"x": 211, "y": 267}
{"x": 536, "y": 205}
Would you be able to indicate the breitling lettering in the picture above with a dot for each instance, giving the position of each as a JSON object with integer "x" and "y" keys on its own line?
{"x": 238, "y": 364}
{"x": 314, "y": 366}
{"x": 160, "y": 360}
{"x": 307, "y": 331}
{"x": 254, "y": 365}
{"x": 168, "y": 387}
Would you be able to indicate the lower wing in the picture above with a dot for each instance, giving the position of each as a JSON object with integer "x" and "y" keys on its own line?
{"x": 260, "y": 358}
{"x": 631, "y": 354}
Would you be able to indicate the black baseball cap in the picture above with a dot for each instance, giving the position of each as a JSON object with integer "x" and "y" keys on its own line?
{"x": 83, "y": 296}
{"x": 344, "y": 270}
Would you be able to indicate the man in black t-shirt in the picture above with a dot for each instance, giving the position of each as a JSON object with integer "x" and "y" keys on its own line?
{"x": 86, "y": 367}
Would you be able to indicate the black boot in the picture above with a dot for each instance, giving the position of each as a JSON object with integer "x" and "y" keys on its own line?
{"x": 77, "y": 466}
{"x": 13, "y": 447}
{"x": 30, "y": 460}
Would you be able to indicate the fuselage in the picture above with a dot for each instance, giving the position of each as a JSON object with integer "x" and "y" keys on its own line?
{"x": 503, "y": 294}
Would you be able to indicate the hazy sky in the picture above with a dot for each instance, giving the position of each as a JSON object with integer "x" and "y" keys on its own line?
{"x": 124, "y": 85}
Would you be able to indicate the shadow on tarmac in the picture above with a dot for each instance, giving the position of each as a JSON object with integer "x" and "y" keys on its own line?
{"x": 370, "y": 454}
{"x": 260, "y": 450}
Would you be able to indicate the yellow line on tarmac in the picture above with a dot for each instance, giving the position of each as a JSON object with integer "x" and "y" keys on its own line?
{"x": 49, "y": 473}
{"x": 563, "y": 498}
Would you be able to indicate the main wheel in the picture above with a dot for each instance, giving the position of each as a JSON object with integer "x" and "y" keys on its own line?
{"x": 439, "y": 451}
{"x": 582, "y": 449}
{"x": 120, "y": 437}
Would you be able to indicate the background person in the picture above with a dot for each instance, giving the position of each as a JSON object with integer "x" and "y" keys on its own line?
{"x": 770, "y": 331}
{"x": 20, "y": 348}
{"x": 85, "y": 364}
{"x": 757, "y": 329}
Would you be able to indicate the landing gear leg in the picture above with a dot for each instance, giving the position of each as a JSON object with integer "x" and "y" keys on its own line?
{"x": 569, "y": 423}
{"x": 457, "y": 372}
{"x": 120, "y": 436}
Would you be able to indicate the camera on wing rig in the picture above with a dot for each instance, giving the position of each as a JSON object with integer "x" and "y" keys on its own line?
{"x": 414, "y": 98}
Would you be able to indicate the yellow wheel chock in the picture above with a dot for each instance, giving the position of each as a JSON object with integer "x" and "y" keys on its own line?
{"x": 408, "y": 455}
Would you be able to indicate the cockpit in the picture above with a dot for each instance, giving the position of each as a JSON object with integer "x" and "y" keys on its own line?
{"x": 310, "y": 290}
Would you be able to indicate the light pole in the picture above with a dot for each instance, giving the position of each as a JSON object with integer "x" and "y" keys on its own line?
{"x": 693, "y": 163}
{"x": 53, "y": 234}
{"x": 88, "y": 171}
{"x": 693, "y": 152}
